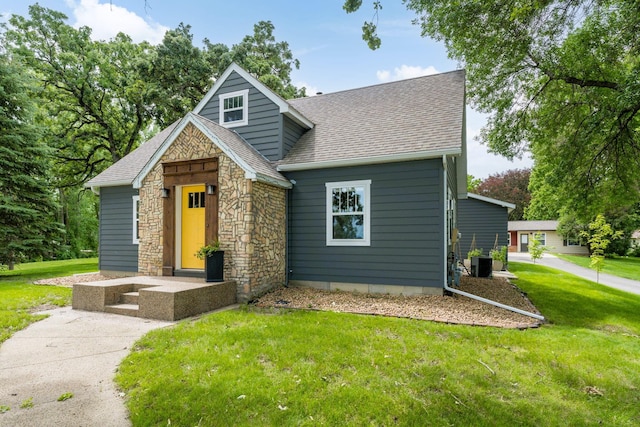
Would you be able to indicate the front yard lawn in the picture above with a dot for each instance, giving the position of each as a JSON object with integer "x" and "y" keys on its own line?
{"x": 19, "y": 297}
{"x": 282, "y": 367}
{"x": 627, "y": 267}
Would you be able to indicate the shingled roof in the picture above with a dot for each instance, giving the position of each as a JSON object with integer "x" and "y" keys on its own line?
{"x": 404, "y": 120}
{"x": 124, "y": 171}
{"x": 132, "y": 169}
{"x": 414, "y": 118}
{"x": 532, "y": 225}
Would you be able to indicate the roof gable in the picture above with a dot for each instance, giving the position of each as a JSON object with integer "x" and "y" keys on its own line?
{"x": 255, "y": 166}
{"x": 132, "y": 169}
{"x": 284, "y": 106}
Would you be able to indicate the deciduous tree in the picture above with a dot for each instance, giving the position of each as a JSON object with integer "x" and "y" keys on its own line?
{"x": 93, "y": 101}
{"x": 536, "y": 248}
{"x": 599, "y": 236}
{"x": 561, "y": 79}
{"x": 509, "y": 186}
{"x": 99, "y": 97}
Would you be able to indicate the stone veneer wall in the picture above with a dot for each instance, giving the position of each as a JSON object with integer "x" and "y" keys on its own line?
{"x": 251, "y": 219}
{"x": 269, "y": 237}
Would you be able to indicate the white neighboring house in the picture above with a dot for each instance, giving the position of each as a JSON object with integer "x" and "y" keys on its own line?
{"x": 521, "y": 233}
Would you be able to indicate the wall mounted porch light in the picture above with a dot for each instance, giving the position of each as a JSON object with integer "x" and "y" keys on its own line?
{"x": 211, "y": 189}
{"x": 165, "y": 193}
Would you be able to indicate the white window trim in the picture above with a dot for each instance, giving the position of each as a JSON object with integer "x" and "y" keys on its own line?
{"x": 245, "y": 108}
{"x": 136, "y": 220}
{"x": 366, "y": 241}
{"x": 543, "y": 237}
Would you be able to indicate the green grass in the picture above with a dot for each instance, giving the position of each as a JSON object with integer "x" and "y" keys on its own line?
{"x": 251, "y": 367}
{"x": 19, "y": 297}
{"x": 627, "y": 267}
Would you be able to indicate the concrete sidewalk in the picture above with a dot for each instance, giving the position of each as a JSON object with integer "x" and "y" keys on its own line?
{"x": 549, "y": 260}
{"x": 69, "y": 352}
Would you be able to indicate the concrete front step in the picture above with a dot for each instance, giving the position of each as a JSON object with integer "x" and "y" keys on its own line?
{"x": 129, "y": 298}
{"x": 162, "y": 298}
{"x": 124, "y": 309}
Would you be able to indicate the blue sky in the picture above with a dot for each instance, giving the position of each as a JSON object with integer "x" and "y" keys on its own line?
{"x": 325, "y": 39}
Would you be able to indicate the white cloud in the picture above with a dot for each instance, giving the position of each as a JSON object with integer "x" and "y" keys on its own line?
{"x": 405, "y": 72}
{"x": 107, "y": 19}
{"x": 310, "y": 90}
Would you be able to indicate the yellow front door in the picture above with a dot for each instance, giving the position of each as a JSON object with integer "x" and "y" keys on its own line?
{"x": 192, "y": 225}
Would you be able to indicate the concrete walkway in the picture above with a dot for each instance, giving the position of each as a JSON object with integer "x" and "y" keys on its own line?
{"x": 549, "y": 260}
{"x": 69, "y": 352}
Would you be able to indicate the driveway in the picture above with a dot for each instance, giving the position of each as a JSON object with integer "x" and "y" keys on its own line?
{"x": 69, "y": 352}
{"x": 549, "y": 260}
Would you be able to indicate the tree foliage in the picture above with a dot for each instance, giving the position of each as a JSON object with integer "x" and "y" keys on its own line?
{"x": 536, "y": 248}
{"x": 98, "y": 98}
{"x": 93, "y": 101}
{"x": 27, "y": 205}
{"x": 599, "y": 236}
{"x": 473, "y": 183}
{"x": 561, "y": 79}
{"x": 546, "y": 202}
{"x": 270, "y": 61}
{"x": 509, "y": 186}
{"x": 179, "y": 73}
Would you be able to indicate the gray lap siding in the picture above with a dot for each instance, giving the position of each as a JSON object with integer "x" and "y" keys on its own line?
{"x": 117, "y": 250}
{"x": 407, "y": 233}
{"x": 485, "y": 220}
{"x": 264, "y": 129}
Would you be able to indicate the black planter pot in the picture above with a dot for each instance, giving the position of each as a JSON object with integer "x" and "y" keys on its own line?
{"x": 214, "y": 267}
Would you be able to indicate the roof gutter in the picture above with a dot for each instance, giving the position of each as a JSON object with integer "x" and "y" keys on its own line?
{"x": 269, "y": 180}
{"x": 458, "y": 291}
{"x": 95, "y": 187}
{"x": 390, "y": 158}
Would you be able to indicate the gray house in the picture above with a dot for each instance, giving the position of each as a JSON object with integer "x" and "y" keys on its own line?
{"x": 481, "y": 221}
{"x": 355, "y": 190}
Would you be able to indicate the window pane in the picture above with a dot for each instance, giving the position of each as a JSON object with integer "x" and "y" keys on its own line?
{"x": 348, "y": 199}
{"x": 335, "y": 200}
{"x": 232, "y": 116}
{"x": 359, "y": 199}
{"x": 344, "y": 200}
{"x": 348, "y": 227}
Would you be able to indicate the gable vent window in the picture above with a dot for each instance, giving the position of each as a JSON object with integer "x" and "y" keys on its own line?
{"x": 233, "y": 108}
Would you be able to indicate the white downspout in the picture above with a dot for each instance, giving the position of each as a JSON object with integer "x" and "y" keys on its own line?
{"x": 457, "y": 291}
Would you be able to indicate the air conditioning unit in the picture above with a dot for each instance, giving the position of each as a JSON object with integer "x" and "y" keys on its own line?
{"x": 481, "y": 266}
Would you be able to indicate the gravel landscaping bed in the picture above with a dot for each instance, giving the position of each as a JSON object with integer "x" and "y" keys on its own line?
{"x": 68, "y": 281}
{"x": 449, "y": 309}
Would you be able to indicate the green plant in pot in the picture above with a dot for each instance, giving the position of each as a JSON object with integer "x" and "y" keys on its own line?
{"x": 499, "y": 257}
{"x": 474, "y": 252}
{"x": 213, "y": 261}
